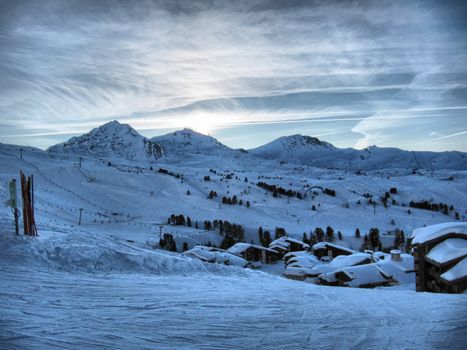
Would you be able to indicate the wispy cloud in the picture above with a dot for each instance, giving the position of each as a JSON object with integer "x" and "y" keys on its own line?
{"x": 69, "y": 66}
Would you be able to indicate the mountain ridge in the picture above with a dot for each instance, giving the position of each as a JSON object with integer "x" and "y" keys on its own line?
{"x": 299, "y": 149}
{"x": 122, "y": 141}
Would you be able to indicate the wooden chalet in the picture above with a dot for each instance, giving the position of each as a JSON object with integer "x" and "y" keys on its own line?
{"x": 440, "y": 255}
{"x": 253, "y": 252}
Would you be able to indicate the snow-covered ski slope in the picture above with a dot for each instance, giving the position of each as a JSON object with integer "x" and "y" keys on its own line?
{"x": 99, "y": 285}
{"x": 74, "y": 291}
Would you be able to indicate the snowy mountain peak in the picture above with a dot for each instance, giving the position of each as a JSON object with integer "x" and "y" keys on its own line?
{"x": 188, "y": 141}
{"x": 298, "y": 140}
{"x": 112, "y": 139}
{"x": 293, "y": 148}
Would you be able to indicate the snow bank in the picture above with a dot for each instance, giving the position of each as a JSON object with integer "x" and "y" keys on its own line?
{"x": 84, "y": 253}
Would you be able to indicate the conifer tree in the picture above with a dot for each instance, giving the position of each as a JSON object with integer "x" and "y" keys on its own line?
{"x": 357, "y": 233}
{"x": 319, "y": 233}
{"x": 280, "y": 232}
{"x": 267, "y": 239}
{"x": 329, "y": 234}
{"x": 260, "y": 236}
{"x": 374, "y": 238}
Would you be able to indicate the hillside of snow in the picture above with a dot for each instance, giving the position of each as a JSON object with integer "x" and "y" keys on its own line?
{"x": 111, "y": 140}
{"x": 310, "y": 151}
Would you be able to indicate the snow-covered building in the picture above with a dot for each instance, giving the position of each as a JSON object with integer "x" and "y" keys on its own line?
{"x": 215, "y": 255}
{"x": 253, "y": 252}
{"x": 382, "y": 269}
{"x": 360, "y": 276}
{"x": 399, "y": 267}
{"x": 284, "y": 245}
{"x": 440, "y": 253}
{"x": 302, "y": 269}
{"x": 299, "y": 264}
{"x": 331, "y": 250}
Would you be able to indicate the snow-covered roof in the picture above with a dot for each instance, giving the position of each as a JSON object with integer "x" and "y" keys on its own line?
{"x": 298, "y": 271}
{"x": 324, "y": 245}
{"x": 291, "y": 255}
{"x": 303, "y": 261}
{"x": 320, "y": 269}
{"x": 428, "y": 233}
{"x": 239, "y": 248}
{"x": 456, "y": 272}
{"x": 349, "y": 260}
{"x": 448, "y": 250}
{"x": 401, "y": 271}
{"x": 339, "y": 262}
{"x": 285, "y": 242}
{"x": 362, "y": 275}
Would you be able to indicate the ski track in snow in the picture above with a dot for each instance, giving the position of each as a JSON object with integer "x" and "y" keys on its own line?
{"x": 48, "y": 310}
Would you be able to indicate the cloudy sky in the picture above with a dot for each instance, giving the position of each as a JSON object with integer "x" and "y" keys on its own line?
{"x": 390, "y": 73}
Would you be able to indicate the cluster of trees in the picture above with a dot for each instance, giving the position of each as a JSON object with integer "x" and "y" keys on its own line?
{"x": 230, "y": 200}
{"x": 372, "y": 240}
{"x": 443, "y": 207}
{"x": 180, "y": 220}
{"x": 319, "y": 235}
{"x": 167, "y": 242}
{"x": 264, "y": 237}
{"x": 276, "y": 190}
{"x": 233, "y": 233}
{"x": 330, "y": 192}
{"x": 166, "y": 172}
{"x": 207, "y": 178}
{"x": 234, "y": 200}
{"x": 212, "y": 194}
